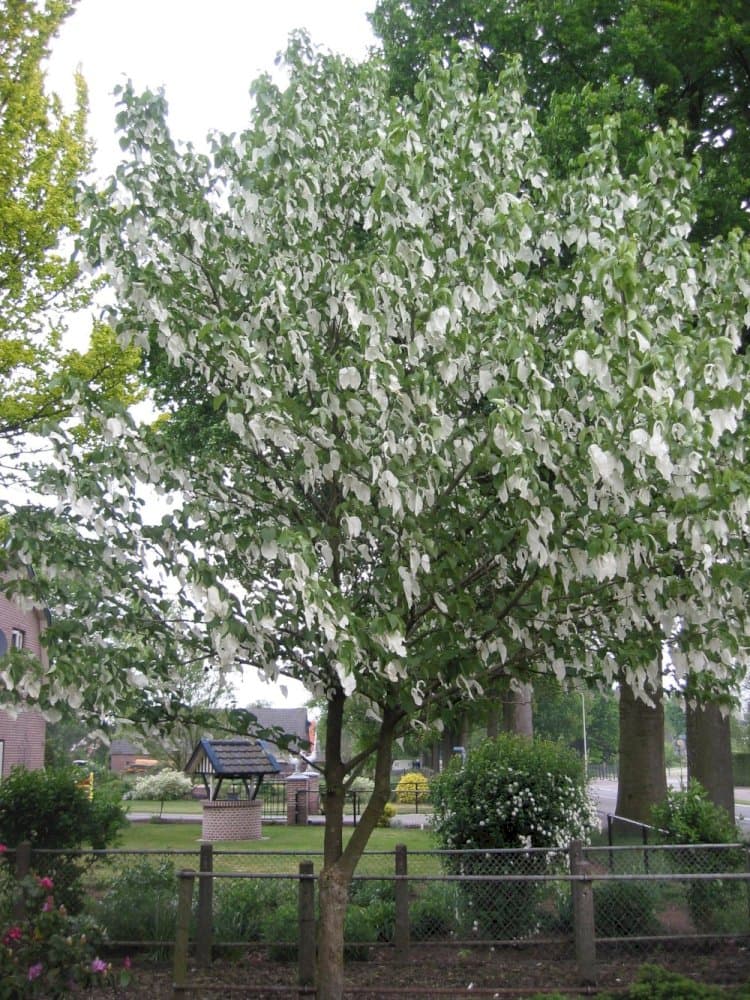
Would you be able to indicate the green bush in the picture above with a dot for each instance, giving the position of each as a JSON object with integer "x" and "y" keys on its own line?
{"x": 48, "y": 809}
{"x": 281, "y": 932}
{"x": 379, "y": 899}
{"x": 624, "y": 909}
{"x": 433, "y": 915}
{"x": 655, "y": 983}
{"x": 689, "y": 817}
{"x": 359, "y": 933}
{"x": 141, "y": 903}
{"x": 242, "y": 906}
{"x": 509, "y": 793}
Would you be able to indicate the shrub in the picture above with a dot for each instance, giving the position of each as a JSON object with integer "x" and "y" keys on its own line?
{"x": 49, "y": 952}
{"x": 48, "y": 809}
{"x": 433, "y": 915}
{"x": 689, "y": 817}
{"x": 624, "y": 909}
{"x": 281, "y": 932}
{"x": 241, "y": 906}
{"x": 413, "y": 787}
{"x": 359, "y": 933}
{"x": 509, "y": 793}
{"x": 389, "y": 811}
{"x": 655, "y": 983}
{"x": 141, "y": 903}
{"x": 164, "y": 786}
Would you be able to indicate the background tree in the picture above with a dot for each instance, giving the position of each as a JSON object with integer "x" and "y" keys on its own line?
{"x": 475, "y": 412}
{"x": 648, "y": 62}
{"x": 43, "y": 155}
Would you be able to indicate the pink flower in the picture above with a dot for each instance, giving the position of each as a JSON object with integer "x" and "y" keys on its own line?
{"x": 46, "y": 883}
{"x": 127, "y": 963}
{"x": 49, "y": 904}
{"x": 12, "y": 935}
{"x": 35, "y": 971}
{"x": 3, "y": 849}
{"x": 98, "y": 965}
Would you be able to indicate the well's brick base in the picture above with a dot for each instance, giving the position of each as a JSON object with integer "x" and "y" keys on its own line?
{"x": 232, "y": 820}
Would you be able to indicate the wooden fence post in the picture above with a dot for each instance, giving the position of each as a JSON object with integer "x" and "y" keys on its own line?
{"x": 306, "y": 949}
{"x": 204, "y": 931}
{"x": 186, "y": 879}
{"x": 401, "y": 890}
{"x": 583, "y": 915}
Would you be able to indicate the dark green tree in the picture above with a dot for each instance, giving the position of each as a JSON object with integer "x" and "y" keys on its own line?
{"x": 649, "y": 61}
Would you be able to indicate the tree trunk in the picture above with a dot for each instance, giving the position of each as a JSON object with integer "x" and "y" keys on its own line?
{"x": 517, "y": 712}
{"x": 339, "y": 863}
{"x": 332, "y": 894}
{"x": 493, "y": 721}
{"x": 709, "y": 752}
{"x": 642, "y": 780}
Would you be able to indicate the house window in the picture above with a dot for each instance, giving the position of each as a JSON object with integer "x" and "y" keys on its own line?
{"x": 17, "y": 638}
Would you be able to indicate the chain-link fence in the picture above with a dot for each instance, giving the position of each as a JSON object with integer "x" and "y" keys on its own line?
{"x": 573, "y": 904}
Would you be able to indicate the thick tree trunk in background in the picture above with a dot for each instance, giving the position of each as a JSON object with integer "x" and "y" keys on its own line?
{"x": 493, "y": 720}
{"x": 709, "y": 752}
{"x": 517, "y": 712}
{"x": 454, "y": 735}
{"x": 642, "y": 780}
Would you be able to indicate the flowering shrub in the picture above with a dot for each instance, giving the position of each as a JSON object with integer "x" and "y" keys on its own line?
{"x": 48, "y": 952}
{"x": 165, "y": 786}
{"x": 510, "y": 793}
{"x": 412, "y": 788}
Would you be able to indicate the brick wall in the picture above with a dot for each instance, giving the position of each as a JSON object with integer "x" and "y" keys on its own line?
{"x": 230, "y": 819}
{"x": 22, "y": 737}
{"x": 22, "y": 741}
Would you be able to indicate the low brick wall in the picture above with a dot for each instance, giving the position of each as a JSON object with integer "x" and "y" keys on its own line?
{"x": 230, "y": 819}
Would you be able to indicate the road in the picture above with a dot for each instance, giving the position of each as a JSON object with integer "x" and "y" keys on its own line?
{"x": 604, "y": 794}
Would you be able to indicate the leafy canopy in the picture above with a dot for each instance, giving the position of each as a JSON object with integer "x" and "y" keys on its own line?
{"x": 467, "y": 415}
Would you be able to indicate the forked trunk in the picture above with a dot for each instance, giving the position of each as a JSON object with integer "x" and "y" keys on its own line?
{"x": 339, "y": 863}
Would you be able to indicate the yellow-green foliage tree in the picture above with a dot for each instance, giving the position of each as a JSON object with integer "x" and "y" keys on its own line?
{"x": 43, "y": 153}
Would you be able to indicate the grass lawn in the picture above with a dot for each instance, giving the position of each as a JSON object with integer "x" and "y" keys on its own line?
{"x": 300, "y": 840}
{"x": 193, "y": 806}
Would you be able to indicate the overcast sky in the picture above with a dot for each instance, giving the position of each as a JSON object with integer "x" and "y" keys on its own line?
{"x": 205, "y": 53}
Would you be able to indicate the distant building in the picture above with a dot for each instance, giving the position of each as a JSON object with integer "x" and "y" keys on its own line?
{"x": 22, "y": 737}
{"x": 126, "y": 758}
{"x": 292, "y": 721}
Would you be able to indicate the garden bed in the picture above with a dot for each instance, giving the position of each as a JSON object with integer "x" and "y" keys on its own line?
{"x": 439, "y": 971}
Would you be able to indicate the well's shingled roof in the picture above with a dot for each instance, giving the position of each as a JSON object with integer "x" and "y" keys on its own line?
{"x": 232, "y": 758}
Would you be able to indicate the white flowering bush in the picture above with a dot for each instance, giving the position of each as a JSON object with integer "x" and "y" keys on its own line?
{"x": 511, "y": 792}
{"x": 164, "y": 786}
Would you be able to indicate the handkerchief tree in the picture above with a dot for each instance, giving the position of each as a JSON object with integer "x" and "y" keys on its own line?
{"x": 431, "y": 415}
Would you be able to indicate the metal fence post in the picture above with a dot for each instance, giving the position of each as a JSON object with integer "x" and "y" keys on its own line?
{"x": 185, "y": 882}
{"x": 204, "y": 932}
{"x": 401, "y": 889}
{"x": 306, "y": 950}
{"x": 583, "y": 915}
